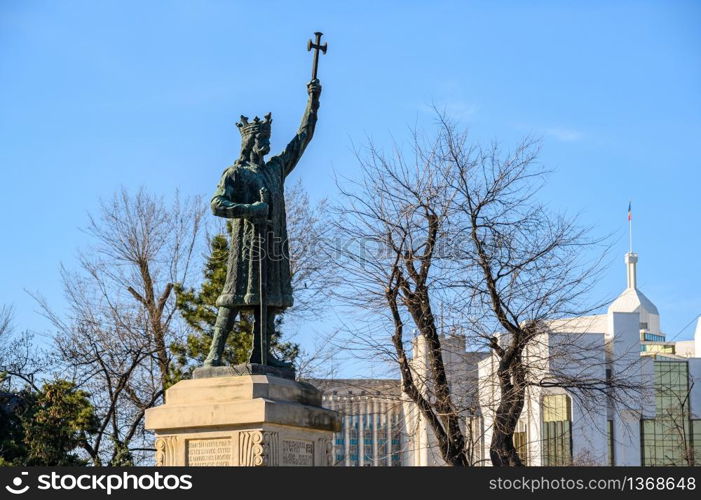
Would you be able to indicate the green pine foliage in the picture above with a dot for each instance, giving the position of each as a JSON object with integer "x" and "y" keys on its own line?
{"x": 122, "y": 455}
{"x": 198, "y": 309}
{"x": 45, "y": 428}
{"x": 12, "y": 448}
{"x": 60, "y": 422}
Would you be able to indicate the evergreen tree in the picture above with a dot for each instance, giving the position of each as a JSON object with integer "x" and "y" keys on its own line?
{"x": 198, "y": 308}
{"x": 45, "y": 428}
{"x": 58, "y": 422}
{"x": 12, "y": 448}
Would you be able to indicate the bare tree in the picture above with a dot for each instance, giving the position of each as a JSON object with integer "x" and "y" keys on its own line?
{"x": 19, "y": 358}
{"x": 388, "y": 232}
{"x": 520, "y": 263}
{"x": 523, "y": 269}
{"x": 309, "y": 226}
{"x": 114, "y": 340}
{"x": 6, "y": 316}
{"x": 458, "y": 224}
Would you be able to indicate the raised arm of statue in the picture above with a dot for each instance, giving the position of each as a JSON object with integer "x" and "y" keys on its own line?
{"x": 223, "y": 204}
{"x": 294, "y": 150}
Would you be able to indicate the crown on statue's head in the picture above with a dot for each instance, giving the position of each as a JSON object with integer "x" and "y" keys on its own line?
{"x": 257, "y": 126}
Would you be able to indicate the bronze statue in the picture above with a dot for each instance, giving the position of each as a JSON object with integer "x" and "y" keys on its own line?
{"x": 251, "y": 193}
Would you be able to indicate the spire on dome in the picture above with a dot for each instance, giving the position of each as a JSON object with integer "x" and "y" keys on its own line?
{"x": 631, "y": 258}
{"x": 631, "y": 267}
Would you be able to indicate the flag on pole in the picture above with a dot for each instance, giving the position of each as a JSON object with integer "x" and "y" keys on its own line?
{"x": 630, "y": 212}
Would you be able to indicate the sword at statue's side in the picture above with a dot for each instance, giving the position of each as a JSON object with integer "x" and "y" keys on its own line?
{"x": 317, "y": 46}
{"x": 262, "y": 281}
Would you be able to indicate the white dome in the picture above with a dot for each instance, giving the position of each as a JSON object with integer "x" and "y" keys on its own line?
{"x": 633, "y": 300}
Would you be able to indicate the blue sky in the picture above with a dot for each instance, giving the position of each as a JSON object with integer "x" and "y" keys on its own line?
{"x": 98, "y": 95}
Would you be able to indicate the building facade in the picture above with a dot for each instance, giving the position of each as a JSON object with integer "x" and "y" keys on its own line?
{"x": 651, "y": 416}
{"x": 373, "y": 426}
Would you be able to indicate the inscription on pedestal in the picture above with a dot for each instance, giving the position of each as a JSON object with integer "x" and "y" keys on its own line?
{"x": 295, "y": 452}
{"x": 209, "y": 452}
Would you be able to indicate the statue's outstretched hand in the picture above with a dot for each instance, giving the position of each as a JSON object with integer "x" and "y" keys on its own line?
{"x": 314, "y": 88}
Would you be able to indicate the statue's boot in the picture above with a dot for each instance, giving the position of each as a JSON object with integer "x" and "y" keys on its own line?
{"x": 271, "y": 360}
{"x": 217, "y": 349}
{"x": 255, "y": 355}
{"x": 278, "y": 363}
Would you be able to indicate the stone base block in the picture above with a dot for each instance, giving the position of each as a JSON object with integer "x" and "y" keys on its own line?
{"x": 246, "y": 420}
{"x": 242, "y": 369}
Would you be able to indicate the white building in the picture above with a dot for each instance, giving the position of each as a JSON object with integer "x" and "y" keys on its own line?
{"x": 657, "y": 421}
{"x": 461, "y": 371}
{"x": 372, "y": 432}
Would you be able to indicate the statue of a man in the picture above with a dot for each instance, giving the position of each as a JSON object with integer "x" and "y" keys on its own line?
{"x": 251, "y": 193}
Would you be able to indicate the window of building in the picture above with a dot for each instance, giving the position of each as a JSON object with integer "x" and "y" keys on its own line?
{"x": 521, "y": 445}
{"x": 556, "y": 408}
{"x": 657, "y": 348}
{"x": 557, "y": 430}
{"x": 651, "y": 337}
{"x": 668, "y": 439}
{"x": 475, "y": 434}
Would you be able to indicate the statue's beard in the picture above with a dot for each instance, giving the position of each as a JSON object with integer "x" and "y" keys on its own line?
{"x": 261, "y": 152}
{"x": 254, "y": 150}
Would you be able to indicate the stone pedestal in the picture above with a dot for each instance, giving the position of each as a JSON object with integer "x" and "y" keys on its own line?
{"x": 255, "y": 417}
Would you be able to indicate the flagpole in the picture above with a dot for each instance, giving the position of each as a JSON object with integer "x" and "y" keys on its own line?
{"x": 630, "y": 234}
{"x": 630, "y": 229}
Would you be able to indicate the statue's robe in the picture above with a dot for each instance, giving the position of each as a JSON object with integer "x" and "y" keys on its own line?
{"x": 238, "y": 188}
